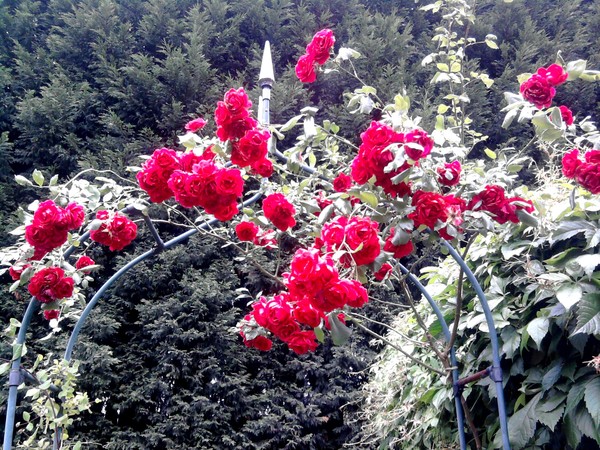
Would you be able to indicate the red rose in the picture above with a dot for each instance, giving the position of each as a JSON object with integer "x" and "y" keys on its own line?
{"x": 423, "y": 143}
{"x": 237, "y": 101}
{"x": 50, "y": 314}
{"x": 492, "y": 198}
{"x": 320, "y": 46}
{"x": 361, "y": 172}
{"x": 382, "y": 273}
{"x": 277, "y": 316}
{"x": 261, "y": 343}
{"x": 566, "y": 114}
{"x": 360, "y": 297}
{"x": 362, "y": 231}
{"x": 379, "y": 134}
{"x": 116, "y": 230}
{"x": 309, "y": 273}
{"x": 266, "y": 239}
{"x": 45, "y": 238}
{"x": 84, "y": 261}
{"x": 592, "y": 156}
{"x": 399, "y": 251}
{"x": 554, "y": 74}
{"x": 307, "y": 314}
{"x": 229, "y": 182}
{"x": 279, "y": 211}
{"x": 302, "y": 342}
{"x": 195, "y": 125}
{"x": 50, "y": 284}
{"x": 449, "y": 175}
{"x": 430, "y": 207}
{"x": 588, "y": 176}
{"x": 251, "y": 148}
{"x": 263, "y": 167}
{"x": 246, "y": 231}
{"x": 342, "y": 183}
{"x": 305, "y": 69}
{"x": 538, "y": 91}
{"x": 156, "y": 172}
{"x": 570, "y": 163}
{"x": 16, "y": 271}
{"x": 48, "y": 214}
{"x": 224, "y": 213}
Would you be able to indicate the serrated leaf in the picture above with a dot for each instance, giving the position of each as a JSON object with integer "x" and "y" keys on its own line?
{"x": 592, "y": 399}
{"x": 550, "y": 418}
{"x": 588, "y": 263}
{"x": 38, "y": 177}
{"x": 569, "y": 295}
{"x": 552, "y": 375}
{"x": 340, "y": 333}
{"x": 575, "y": 395}
{"x": 521, "y": 425}
{"x": 588, "y": 314}
{"x": 569, "y": 229}
{"x": 538, "y": 328}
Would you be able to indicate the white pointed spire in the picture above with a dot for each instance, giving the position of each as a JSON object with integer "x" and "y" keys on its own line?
{"x": 267, "y": 75}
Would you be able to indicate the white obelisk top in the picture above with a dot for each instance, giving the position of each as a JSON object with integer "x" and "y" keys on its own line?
{"x": 267, "y": 75}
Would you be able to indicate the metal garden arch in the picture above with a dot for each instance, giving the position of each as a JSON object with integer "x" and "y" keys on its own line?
{"x": 266, "y": 79}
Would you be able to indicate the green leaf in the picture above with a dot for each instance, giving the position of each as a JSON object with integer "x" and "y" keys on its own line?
{"x": 22, "y": 181}
{"x": 569, "y": 229}
{"x": 319, "y": 334}
{"x": 491, "y": 154}
{"x": 491, "y": 44}
{"x": 588, "y": 263}
{"x": 26, "y": 416}
{"x": 575, "y": 68}
{"x": 4, "y": 368}
{"x": 521, "y": 425}
{"x": 572, "y": 433}
{"x": 369, "y": 198}
{"x": 427, "y": 397}
{"x": 538, "y": 328}
{"x": 340, "y": 333}
{"x": 569, "y": 295}
{"x": 588, "y": 314}
{"x": 575, "y": 395}
{"x": 592, "y": 399}
{"x": 552, "y": 375}
{"x": 53, "y": 181}
{"x": 38, "y": 177}
{"x": 290, "y": 123}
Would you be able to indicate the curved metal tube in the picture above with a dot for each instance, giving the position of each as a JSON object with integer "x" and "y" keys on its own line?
{"x": 455, "y": 375}
{"x": 496, "y": 370}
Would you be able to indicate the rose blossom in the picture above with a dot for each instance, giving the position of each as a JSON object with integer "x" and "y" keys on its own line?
{"x": 342, "y": 183}
{"x": 302, "y": 342}
{"x": 15, "y": 272}
{"x": 588, "y": 176}
{"x": 279, "y": 211}
{"x": 570, "y": 163}
{"x": 116, "y": 230}
{"x": 263, "y": 167}
{"x": 305, "y": 69}
{"x": 320, "y": 46}
{"x": 554, "y": 74}
{"x": 195, "y": 125}
{"x": 50, "y": 314}
{"x": 592, "y": 156}
{"x": 246, "y": 231}
{"x": 400, "y": 250}
{"x": 566, "y": 114}
{"x": 262, "y": 343}
{"x": 252, "y": 147}
{"x": 538, "y": 91}
{"x": 420, "y": 138}
{"x": 50, "y": 284}
{"x": 84, "y": 261}
{"x": 449, "y": 175}
{"x": 383, "y": 272}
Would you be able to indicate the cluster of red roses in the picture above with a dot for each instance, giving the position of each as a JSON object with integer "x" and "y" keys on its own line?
{"x": 375, "y": 154}
{"x": 317, "y": 52}
{"x": 540, "y": 89}
{"x": 314, "y": 290}
{"x": 51, "y": 225}
{"x": 250, "y": 232}
{"x": 356, "y": 237}
{"x": 587, "y": 172}
{"x": 194, "y": 180}
{"x": 115, "y": 230}
{"x": 249, "y": 144}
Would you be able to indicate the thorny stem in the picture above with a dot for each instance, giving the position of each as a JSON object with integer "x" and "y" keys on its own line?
{"x": 409, "y": 356}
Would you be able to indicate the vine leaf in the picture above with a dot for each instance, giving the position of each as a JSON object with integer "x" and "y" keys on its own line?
{"x": 538, "y": 328}
{"x": 592, "y": 399}
{"x": 588, "y": 320}
{"x": 521, "y": 426}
